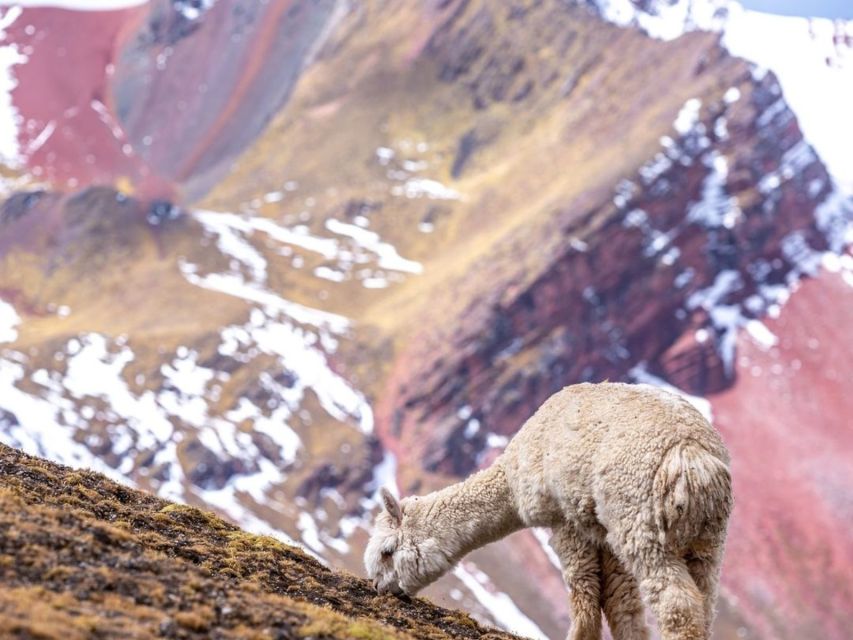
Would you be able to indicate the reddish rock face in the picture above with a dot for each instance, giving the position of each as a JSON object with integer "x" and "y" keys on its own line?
{"x": 147, "y": 107}
{"x": 787, "y": 424}
{"x": 70, "y": 136}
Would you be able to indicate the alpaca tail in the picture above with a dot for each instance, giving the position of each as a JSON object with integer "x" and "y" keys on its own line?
{"x": 692, "y": 494}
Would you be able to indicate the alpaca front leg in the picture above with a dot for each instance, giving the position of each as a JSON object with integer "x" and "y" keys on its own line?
{"x": 582, "y": 572}
{"x": 621, "y": 601}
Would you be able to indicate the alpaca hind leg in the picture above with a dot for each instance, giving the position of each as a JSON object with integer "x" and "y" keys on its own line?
{"x": 621, "y": 601}
{"x": 704, "y": 563}
{"x": 672, "y": 595}
{"x": 582, "y": 572}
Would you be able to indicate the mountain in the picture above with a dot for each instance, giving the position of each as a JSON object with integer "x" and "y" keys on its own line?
{"x": 271, "y": 256}
{"x": 84, "y": 557}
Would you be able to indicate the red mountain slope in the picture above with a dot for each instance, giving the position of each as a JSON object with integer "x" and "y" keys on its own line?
{"x": 786, "y": 421}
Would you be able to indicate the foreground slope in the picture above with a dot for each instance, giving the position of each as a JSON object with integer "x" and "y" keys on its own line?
{"x": 82, "y": 557}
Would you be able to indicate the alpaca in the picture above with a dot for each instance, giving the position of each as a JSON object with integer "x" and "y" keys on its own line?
{"x": 635, "y": 486}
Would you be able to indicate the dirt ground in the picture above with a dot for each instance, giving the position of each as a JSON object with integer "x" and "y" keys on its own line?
{"x": 84, "y": 557}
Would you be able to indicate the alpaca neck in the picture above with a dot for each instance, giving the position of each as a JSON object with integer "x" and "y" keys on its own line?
{"x": 469, "y": 514}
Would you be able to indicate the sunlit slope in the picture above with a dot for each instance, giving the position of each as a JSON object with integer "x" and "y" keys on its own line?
{"x": 83, "y": 557}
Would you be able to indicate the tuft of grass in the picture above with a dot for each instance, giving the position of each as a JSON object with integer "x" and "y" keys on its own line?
{"x": 327, "y": 623}
{"x": 199, "y": 619}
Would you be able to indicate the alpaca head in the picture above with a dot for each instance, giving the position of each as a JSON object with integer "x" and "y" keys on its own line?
{"x": 401, "y": 557}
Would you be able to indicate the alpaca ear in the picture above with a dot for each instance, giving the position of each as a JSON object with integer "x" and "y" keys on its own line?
{"x": 391, "y": 505}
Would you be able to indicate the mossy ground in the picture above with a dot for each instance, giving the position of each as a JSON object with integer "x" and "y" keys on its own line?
{"x": 84, "y": 557}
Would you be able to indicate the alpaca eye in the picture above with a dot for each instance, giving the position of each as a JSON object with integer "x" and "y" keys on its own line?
{"x": 387, "y": 554}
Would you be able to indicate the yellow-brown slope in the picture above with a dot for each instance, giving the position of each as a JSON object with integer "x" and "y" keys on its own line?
{"x": 83, "y": 557}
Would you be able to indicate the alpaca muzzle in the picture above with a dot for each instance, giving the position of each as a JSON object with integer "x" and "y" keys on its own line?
{"x": 387, "y": 588}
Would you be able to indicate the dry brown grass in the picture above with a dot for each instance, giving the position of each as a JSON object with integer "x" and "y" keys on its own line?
{"x": 83, "y": 557}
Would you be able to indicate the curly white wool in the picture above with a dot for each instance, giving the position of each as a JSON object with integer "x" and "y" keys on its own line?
{"x": 634, "y": 484}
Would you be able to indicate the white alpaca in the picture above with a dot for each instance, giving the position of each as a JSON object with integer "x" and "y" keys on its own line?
{"x": 634, "y": 484}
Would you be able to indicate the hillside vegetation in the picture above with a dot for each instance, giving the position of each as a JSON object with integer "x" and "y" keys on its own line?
{"x": 84, "y": 557}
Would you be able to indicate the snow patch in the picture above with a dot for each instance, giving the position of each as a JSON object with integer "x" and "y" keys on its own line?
{"x": 655, "y": 168}
{"x": 354, "y": 245}
{"x": 388, "y": 256}
{"x": 808, "y": 56}
{"x": 726, "y": 318}
{"x": 842, "y": 264}
{"x": 298, "y": 237}
{"x": 641, "y": 375}
{"x": 716, "y": 208}
{"x": 328, "y": 273}
{"x": 834, "y": 218}
{"x": 233, "y": 244}
{"x": 192, "y": 9}
{"x": 10, "y": 118}
{"x": 385, "y": 475}
{"x": 184, "y": 395}
{"x": 308, "y": 530}
{"x": 96, "y": 372}
{"x": 499, "y": 605}
{"x": 816, "y": 75}
{"x": 544, "y": 540}
{"x": 761, "y": 334}
{"x": 274, "y": 328}
{"x": 425, "y": 188}
{"x": 38, "y": 424}
{"x": 384, "y": 154}
{"x": 688, "y": 116}
{"x": 9, "y": 319}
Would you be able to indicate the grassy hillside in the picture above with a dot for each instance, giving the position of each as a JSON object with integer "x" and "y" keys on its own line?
{"x": 84, "y": 557}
